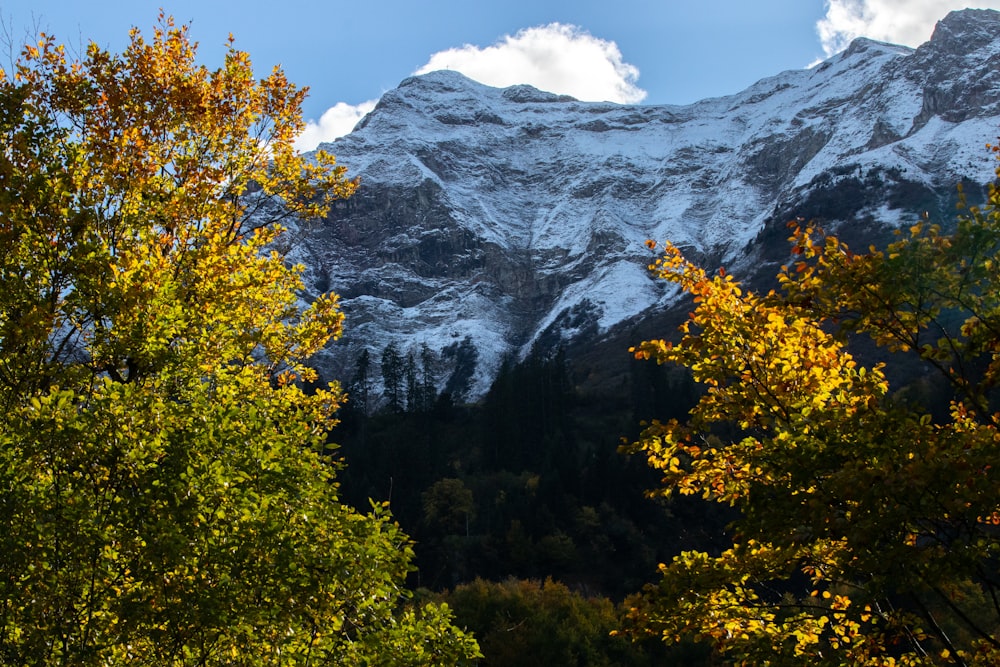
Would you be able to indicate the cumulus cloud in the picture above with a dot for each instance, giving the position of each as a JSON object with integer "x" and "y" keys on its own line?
{"x": 908, "y": 22}
{"x": 335, "y": 122}
{"x": 558, "y": 58}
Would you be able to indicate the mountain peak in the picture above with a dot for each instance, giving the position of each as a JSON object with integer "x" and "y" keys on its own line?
{"x": 442, "y": 80}
{"x": 862, "y": 45}
{"x": 450, "y": 81}
{"x": 966, "y": 30}
{"x": 515, "y": 219}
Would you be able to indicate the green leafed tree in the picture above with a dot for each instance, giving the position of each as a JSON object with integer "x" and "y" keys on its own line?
{"x": 868, "y": 527}
{"x": 162, "y": 494}
{"x": 538, "y": 624}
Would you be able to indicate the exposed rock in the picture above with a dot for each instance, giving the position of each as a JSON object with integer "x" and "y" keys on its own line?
{"x": 517, "y": 217}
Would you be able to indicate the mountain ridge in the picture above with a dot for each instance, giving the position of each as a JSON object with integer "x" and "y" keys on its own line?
{"x": 516, "y": 218}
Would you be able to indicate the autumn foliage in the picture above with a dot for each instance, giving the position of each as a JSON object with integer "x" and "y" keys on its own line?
{"x": 162, "y": 490}
{"x": 868, "y": 526}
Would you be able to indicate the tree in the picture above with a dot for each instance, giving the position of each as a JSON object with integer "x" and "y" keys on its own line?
{"x": 449, "y": 505}
{"x": 427, "y": 382}
{"x": 525, "y": 623}
{"x": 162, "y": 490}
{"x": 465, "y": 356}
{"x": 867, "y": 532}
{"x": 393, "y": 375}
{"x": 361, "y": 384}
{"x": 413, "y": 400}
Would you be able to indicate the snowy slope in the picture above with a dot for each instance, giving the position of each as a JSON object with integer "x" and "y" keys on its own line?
{"x": 518, "y": 218}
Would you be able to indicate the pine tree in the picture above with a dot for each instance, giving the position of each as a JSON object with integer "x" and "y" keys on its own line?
{"x": 393, "y": 376}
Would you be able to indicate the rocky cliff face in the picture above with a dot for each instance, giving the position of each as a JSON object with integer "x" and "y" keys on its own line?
{"x": 516, "y": 218}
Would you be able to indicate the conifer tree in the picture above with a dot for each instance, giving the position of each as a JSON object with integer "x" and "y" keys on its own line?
{"x": 393, "y": 376}
{"x": 361, "y": 384}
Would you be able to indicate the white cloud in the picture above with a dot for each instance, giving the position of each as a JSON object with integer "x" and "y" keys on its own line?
{"x": 908, "y": 22}
{"x": 558, "y": 58}
{"x": 335, "y": 122}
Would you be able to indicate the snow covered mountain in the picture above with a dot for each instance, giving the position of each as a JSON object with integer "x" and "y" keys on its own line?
{"x": 515, "y": 218}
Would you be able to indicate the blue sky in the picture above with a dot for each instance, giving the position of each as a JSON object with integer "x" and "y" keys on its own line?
{"x": 648, "y": 51}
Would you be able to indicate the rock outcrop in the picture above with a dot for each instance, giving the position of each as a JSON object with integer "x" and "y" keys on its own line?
{"x": 517, "y": 218}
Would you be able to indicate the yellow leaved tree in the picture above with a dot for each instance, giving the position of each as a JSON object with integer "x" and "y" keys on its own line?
{"x": 869, "y": 521}
{"x": 163, "y": 496}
